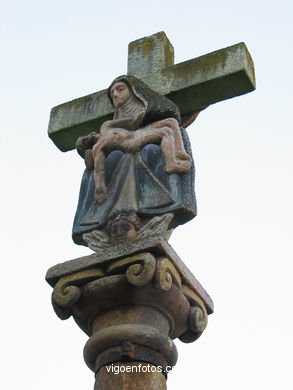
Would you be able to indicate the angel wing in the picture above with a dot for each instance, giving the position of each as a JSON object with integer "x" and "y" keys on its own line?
{"x": 97, "y": 240}
{"x": 157, "y": 225}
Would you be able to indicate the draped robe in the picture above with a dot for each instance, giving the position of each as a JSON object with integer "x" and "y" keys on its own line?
{"x": 138, "y": 181}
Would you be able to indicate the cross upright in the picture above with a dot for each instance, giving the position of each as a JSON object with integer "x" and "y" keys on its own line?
{"x": 192, "y": 85}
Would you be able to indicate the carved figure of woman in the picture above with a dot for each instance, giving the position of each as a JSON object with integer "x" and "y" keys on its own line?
{"x": 131, "y": 161}
{"x": 124, "y": 133}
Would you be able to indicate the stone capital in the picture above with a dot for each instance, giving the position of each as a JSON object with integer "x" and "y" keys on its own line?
{"x": 132, "y": 301}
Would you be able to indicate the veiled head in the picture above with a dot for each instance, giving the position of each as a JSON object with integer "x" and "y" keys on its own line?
{"x": 156, "y": 106}
{"x": 120, "y": 93}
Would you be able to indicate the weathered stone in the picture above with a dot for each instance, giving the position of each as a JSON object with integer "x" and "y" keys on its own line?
{"x": 166, "y": 274}
{"x": 192, "y": 85}
{"x": 140, "y": 334}
{"x": 115, "y": 294}
{"x": 139, "y": 376}
{"x": 128, "y": 314}
{"x": 131, "y": 303}
{"x": 66, "y": 293}
{"x": 98, "y": 240}
{"x": 208, "y": 79}
{"x": 149, "y": 55}
{"x": 134, "y": 296}
{"x": 139, "y": 269}
{"x": 157, "y": 246}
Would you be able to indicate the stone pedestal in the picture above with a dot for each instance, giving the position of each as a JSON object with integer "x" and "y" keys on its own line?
{"x": 131, "y": 300}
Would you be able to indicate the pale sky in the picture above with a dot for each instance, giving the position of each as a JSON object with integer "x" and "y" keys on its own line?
{"x": 238, "y": 246}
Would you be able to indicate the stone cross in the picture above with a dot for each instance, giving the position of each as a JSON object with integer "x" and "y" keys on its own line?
{"x": 134, "y": 296}
{"x": 192, "y": 85}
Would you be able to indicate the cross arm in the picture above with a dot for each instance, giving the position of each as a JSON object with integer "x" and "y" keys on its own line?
{"x": 208, "y": 79}
{"x": 192, "y": 85}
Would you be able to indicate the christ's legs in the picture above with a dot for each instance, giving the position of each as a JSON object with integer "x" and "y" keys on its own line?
{"x": 167, "y": 134}
{"x": 174, "y": 162}
{"x": 179, "y": 146}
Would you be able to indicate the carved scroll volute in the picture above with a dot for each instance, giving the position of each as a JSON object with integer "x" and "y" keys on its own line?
{"x": 139, "y": 269}
{"x": 67, "y": 292}
{"x": 166, "y": 274}
{"x": 198, "y": 317}
{"x": 197, "y": 323}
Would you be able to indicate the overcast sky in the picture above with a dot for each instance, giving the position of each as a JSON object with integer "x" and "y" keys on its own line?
{"x": 238, "y": 246}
